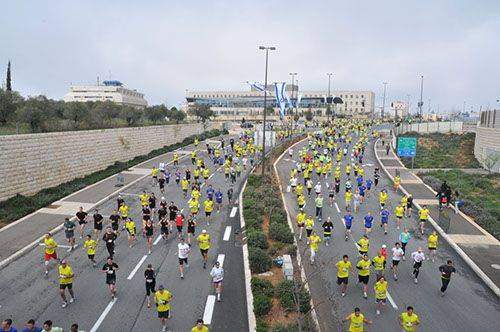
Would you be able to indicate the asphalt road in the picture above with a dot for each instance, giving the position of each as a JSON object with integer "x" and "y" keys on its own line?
{"x": 25, "y": 293}
{"x": 467, "y": 306}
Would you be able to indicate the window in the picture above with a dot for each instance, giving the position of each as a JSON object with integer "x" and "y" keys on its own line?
{"x": 352, "y": 96}
{"x": 362, "y": 96}
{"x": 356, "y": 103}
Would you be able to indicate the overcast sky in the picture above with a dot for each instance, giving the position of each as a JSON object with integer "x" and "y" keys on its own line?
{"x": 164, "y": 47}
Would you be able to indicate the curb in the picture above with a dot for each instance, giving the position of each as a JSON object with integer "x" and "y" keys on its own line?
{"x": 290, "y": 225}
{"x": 494, "y": 288}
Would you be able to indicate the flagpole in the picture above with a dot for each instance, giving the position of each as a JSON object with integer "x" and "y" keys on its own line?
{"x": 265, "y": 107}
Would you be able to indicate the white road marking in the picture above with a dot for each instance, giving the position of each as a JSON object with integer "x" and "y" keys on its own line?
{"x": 157, "y": 240}
{"x": 59, "y": 245}
{"x": 129, "y": 194}
{"x": 103, "y": 316}
{"x": 209, "y": 309}
{"x": 389, "y": 297}
{"x": 220, "y": 259}
{"x": 227, "y": 233}
{"x": 233, "y": 211}
{"x": 136, "y": 268}
{"x": 337, "y": 207}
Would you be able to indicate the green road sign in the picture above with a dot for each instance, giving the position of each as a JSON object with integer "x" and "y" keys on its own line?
{"x": 407, "y": 146}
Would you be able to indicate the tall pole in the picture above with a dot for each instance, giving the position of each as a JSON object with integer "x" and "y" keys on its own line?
{"x": 421, "y": 103}
{"x": 328, "y": 97}
{"x": 265, "y": 108}
{"x": 407, "y": 105}
{"x": 383, "y": 101}
{"x": 293, "y": 90}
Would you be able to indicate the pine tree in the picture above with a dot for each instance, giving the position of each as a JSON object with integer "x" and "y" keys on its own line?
{"x": 9, "y": 86}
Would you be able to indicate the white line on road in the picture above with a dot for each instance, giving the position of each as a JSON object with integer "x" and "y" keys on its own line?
{"x": 233, "y": 211}
{"x": 392, "y": 301}
{"x": 129, "y": 194}
{"x": 157, "y": 240}
{"x": 337, "y": 207}
{"x": 59, "y": 245}
{"x": 136, "y": 268}
{"x": 220, "y": 259}
{"x": 209, "y": 309}
{"x": 227, "y": 233}
{"x": 103, "y": 315}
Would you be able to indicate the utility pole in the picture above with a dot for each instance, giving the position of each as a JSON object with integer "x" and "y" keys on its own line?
{"x": 293, "y": 89}
{"x": 408, "y": 104}
{"x": 328, "y": 110}
{"x": 383, "y": 101}
{"x": 421, "y": 103}
{"x": 267, "y": 49}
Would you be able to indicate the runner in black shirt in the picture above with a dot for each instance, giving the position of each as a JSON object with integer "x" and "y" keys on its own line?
{"x": 110, "y": 269}
{"x": 188, "y": 175}
{"x": 98, "y": 218}
{"x": 164, "y": 223}
{"x": 230, "y": 195}
{"x": 149, "y": 231}
{"x": 114, "y": 218}
{"x": 327, "y": 230}
{"x": 109, "y": 238}
{"x": 446, "y": 271}
{"x": 191, "y": 227}
{"x": 119, "y": 202}
{"x": 81, "y": 215}
{"x": 172, "y": 211}
{"x": 150, "y": 278}
{"x": 152, "y": 203}
{"x": 161, "y": 183}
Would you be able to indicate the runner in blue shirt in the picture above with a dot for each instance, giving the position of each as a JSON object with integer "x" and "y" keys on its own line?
{"x": 218, "y": 199}
{"x": 369, "y": 184}
{"x": 210, "y": 192}
{"x": 362, "y": 193}
{"x": 368, "y": 223}
{"x": 384, "y": 219}
{"x": 359, "y": 180}
{"x": 348, "y": 218}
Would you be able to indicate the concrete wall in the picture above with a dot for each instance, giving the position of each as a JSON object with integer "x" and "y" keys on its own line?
{"x": 29, "y": 163}
{"x": 487, "y": 144}
{"x": 432, "y": 127}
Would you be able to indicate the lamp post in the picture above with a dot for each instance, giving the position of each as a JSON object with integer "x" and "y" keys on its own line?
{"x": 383, "y": 101}
{"x": 421, "y": 103}
{"x": 328, "y": 97}
{"x": 267, "y": 49}
{"x": 293, "y": 89}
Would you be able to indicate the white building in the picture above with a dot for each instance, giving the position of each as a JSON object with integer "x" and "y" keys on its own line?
{"x": 107, "y": 91}
{"x": 234, "y": 105}
{"x": 399, "y": 109}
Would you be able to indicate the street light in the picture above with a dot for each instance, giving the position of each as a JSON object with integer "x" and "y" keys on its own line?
{"x": 421, "y": 103}
{"x": 267, "y": 49}
{"x": 383, "y": 102}
{"x": 293, "y": 89}
{"x": 328, "y": 97}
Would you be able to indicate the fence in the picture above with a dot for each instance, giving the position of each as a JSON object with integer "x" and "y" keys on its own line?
{"x": 433, "y": 127}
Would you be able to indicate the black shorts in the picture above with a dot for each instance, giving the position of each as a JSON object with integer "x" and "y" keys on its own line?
{"x": 64, "y": 286}
{"x": 82, "y": 222}
{"x": 191, "y": 230}
{"x": 431, "y": 249}
{"x": 331, "y": 195}
{"x": 381, "y": 300}
{"x": 179, "y": 229}
{"x": 300, "y": 225}
{"x": 111, "y": 280}
{"x": 363, "y": 279}
{"x": 98, "y": 227}
{"x": 308, "y": 232}
{"x": 150, "y": 288}
{"x": 399, "y": 217}
{"x": 423, "y": 220}
{"x": 164, "y": 314}
{"x": 69, "y": 234}
{"x": 114, "y": 226}
{"x": 183, "y": 260}
{"x": 204, "y": 251}
{"x": 395, "y": 262}
{"x": 91, "y": 257}
{"x": 341, "y": 281}
{"x": 208, "y": 213}
{"x": 164, "y": 230}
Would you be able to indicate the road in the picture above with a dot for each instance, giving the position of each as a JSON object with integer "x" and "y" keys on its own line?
{"x": 25, "y": 293}
{"x": 467, "y": 306}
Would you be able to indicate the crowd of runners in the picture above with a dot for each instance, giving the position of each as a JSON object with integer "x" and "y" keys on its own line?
{"x": 316, "y": 179}
{"x": 160, "y": 216}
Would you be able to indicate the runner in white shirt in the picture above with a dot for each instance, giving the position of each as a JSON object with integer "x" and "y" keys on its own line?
{"x": 293, "y": 183}
{"x": 161, "y": 167}
{"x": 418, "y": 257}
{"x": 397, "y": 255}
{"x": 290, "y": 152}
{"x": 183, "y": 253}
{"x": 317, "y": 188}
{"x": 217, "y": 274}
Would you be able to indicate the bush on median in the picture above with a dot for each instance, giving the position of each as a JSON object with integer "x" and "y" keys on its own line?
{"x": 280, "y": 232}
{"x": 257, "y": 239}
{"x": 286, "y": 290}
{"x": 261, "y": 305}
{"x": 262, "y": 286}
{"x": 260, "y": 261}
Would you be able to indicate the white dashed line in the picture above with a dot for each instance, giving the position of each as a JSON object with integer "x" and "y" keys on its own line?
{"x": 157, "y": 240}
{"x": 220, "y": 259}
{"x": 136, "y": 268}
{"x": 337, "y": 208}
{"x": 209, "y": 309}
{"x": 389, "y": 297}
{"x": 233, "y": 211}
{"x": 227, "y": 233}
{"x": 103, "y": 316}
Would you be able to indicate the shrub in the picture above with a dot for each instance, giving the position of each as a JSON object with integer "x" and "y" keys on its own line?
{"x": 285, "y": 292}
{"x": 285, "y": 328}
{"x": 261, "y": 326}
{"x": 291, "y": 250}
{"x": 259, "y": 260}
{"x": 280, "y": 232}
{"x": 256, "y": 238}
{"x": 262, "y": 286}
{"x": 261, "y": 305}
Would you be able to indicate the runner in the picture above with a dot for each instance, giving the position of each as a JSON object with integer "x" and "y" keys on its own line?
{"x": 163, "y": 222}
{"x": 110, "y": 269}
{"x": 69, "y": 232}
{"x": 98, "y": 218}
{"x": 397, "y": 255}
{"x": 109, "y": 238}
{"x": 404, "y": 238}
{"x": 114, "y": 220}
{"x": 343, "y": 269}
{"x": 50, "y": 251}
{"x": 384, "y": 219}
{"x": 154, "y": 176}
{"x": 162, "y": 300}
{"x": 357, "y": 320}
{"x": 81, "y": 216}
{"x": 131, "y": 230}
{"x": 378, "y": 263}
{"x": 218, "y": 199}
{"x": 301, "y": 219}
{"x": 363, "y": 245}
{"x": 380, "y": 288}
{"x": 423, "y": 215}
{"x": 91, "y": 246}
{"x": 314, "y": 241}
{"x": 399, "y": 212}
{"x": 363, "y": 267}
{"x": 446, "y": 271}
{"x": 309, "y": 223}
{"x": 230, "y": 195}
{"x": 204, "y": 244}
{"x": 149, "y": 232}
{"x": 150, "y": 282}
{"x": 191, "y": 228}
{"x": 409, "y": 205}
{"x": 418, "y": 257}
{"x": 382, "y": 198}
{"x": 327, "y": 230}
{"x": 66, "y": 281}
{"x": 432, "y": 243}
{"x": 409, "y": 320}
{"x": 348, "y": 218}
{"x": 208, "y": 206}
{"x": 217, "y": 274}
{"x": 319, "y": 206}
{"x": 183, "y": 253}
{"x": 368, "y": 223}
{"x": 199, "y": 327}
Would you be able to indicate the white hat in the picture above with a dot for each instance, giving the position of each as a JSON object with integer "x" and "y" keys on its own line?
{"x": 204, "y": 231}
{"x": 384, "y": 246}
{"x": 162, "y": 198}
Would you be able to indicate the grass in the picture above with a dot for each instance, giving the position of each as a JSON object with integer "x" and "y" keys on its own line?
{"x": 440, "y": 150}
{"x": 480, "y": 194}
{"x": 19, "y": 206}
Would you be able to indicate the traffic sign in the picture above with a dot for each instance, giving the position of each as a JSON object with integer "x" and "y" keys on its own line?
{"x": 407, "y": 146}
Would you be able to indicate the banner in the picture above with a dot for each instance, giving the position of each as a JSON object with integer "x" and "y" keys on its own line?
{"x": 279, "y": 90}
{"x": 299, "y": 97}
{"x": 258, "y": 86}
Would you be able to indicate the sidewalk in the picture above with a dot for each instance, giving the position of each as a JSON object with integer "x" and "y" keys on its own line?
{"x": 22, "y": 235}
{"x": 478, "y": 248}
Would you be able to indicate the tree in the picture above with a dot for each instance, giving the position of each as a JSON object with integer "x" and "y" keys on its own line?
{"x": 156, "y": 113}
{"x": 131, "y": 114}
{"x": 76, "y": 112}
{"x": 33, "y": 115}
{"x": 491, "y": 160}
{"x": 9, "y": 83}
{"x": 202, "y": 112}
{"x": 309, "y": 115}
{"x": 10, "y": 101}
{"x": 176, "y": 115}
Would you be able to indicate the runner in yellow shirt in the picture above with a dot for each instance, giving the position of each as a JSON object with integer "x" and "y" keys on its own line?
{"x": 176, "y": 159}
{"x": 409, "y": 320}
{"x": 423, "y": 216}
{"x": 399, "y": 211}
{"x": 363, "y": 267}
{"x": 162, "y": 299}
{"x": 204, "y": 244}
{"x": 363, "y": 245}
{"x": 301, "y": 222}
{"x": 348, "y": 199}
{"x": 66, "y": 281}
{"x": 432, "y": 243}
{"x": 184, "y": 186}
{"x": 309, "y": 223}
{"x": 380, "y": 288}
{"x": 378, "y": 263}
{"x": 343, "y": 269}
{"x": 91, "y": 246}
{"x": 154, "y": 175}
{"x": 50, "y": 251}
{"x": 124, "y": 209}
{"x": 208, "y": 206}
{"x": 357, "y": 320}
{"x": 199, "y": 327}
{"x": 382, "y": 198}
{"x": 144, "y": 198}
{"x": 314, "y": 241}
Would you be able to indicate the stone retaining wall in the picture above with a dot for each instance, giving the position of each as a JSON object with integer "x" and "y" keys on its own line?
{"x": 29, "y": 163}
{"x": 487, "y": 144}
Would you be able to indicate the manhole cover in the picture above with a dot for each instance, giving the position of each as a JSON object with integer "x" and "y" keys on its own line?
{"x": 495, "y": 266}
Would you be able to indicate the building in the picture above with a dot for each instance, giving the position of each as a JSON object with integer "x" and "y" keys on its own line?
{"x": 235, "y": 105}
{"x": 487, "y": 143}
{"x": 399, "y": 109}
{"x": 107, "y": 91}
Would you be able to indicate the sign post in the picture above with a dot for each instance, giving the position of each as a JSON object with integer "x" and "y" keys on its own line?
{"x": 407, "y": 147}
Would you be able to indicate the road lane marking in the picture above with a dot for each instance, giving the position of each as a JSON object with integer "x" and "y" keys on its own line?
{"x": 59, "y": 245}
{"x": 389, "y": 297}
{"x": 227, "y": 233}
{"x": 129, "y": 194}
{"x": 220, "y": 259}
{"x": 337, "y": 207}
{"x": 157, "y": 240}
{"x": 103, "y": 316}
{"x": 233, "y": 211}
{"x": 209, "y": 309}
{"x": 136, "y": 268}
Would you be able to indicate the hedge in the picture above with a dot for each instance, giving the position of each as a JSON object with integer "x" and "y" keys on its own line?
{"x": 256, "y": 238}
{"x": 19, "y": 206}
{"x": 259, "y": 260}
{"x": 262, "y": 286}
{"x": 280, "y": 232}
{"x": 261, "y": 305}
{"x": 285, "y": 291}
